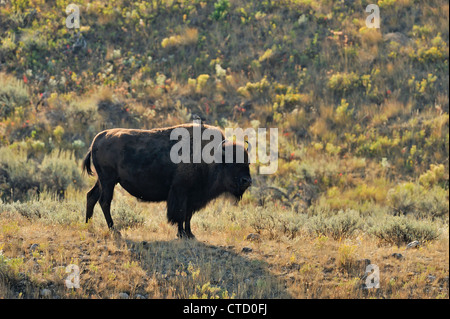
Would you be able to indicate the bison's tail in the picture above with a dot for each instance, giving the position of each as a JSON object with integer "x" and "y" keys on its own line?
{"x": 87, "y": 163}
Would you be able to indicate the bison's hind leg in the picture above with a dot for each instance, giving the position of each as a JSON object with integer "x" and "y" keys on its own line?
{"x": 91, "y": 199}
{"x": 106, "y": 196}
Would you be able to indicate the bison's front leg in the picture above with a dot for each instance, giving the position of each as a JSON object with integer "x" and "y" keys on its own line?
{"x": 187, "y": 226}
{"x": 176, "y": 210}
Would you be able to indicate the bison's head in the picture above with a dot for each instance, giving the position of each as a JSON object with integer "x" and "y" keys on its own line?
{"x": 236, "y": 171}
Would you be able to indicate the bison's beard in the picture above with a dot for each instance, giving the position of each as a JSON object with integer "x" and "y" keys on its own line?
{"x": 237, "y": 193}
{"x": 233, "y": 196}
{"x": 238, "y": 196}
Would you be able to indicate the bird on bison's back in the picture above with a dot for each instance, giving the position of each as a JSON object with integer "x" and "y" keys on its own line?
{"x": 139, "y": 160}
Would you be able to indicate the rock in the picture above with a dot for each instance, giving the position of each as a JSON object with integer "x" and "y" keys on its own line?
{"x": 431, "y": 278}
{"x": 138, "y": 296}
{"x": 327, "y": 270}
{"x": 123, "y": 295}
{"x": 247, "y": 250}
{"x": 413, "y": 244}
{"x": 46, "y": 293}
{"x": 397, "y": 255}
{"x": 253, "y": 237}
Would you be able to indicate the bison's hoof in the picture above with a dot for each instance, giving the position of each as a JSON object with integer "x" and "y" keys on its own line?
{"x": 190, "y": 236}
{"x": 184, "y": 235}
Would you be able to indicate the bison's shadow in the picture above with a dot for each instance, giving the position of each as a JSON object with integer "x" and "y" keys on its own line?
{"x": 189, "y": 268}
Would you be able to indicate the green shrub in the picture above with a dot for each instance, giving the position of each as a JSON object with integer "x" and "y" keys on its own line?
{"x": 343, "y": 115}
{"x": 255, "y": 89}
{"x": 126, "y": 216}
{"x": 341, "y": 225}
{"x": 433, "y": 203}
{"x": 8, "y": 43}
{"x": 400, "y": 230}
{"x": 343, "y": 82}
{"x": 21, "y": 178}
{"x": 202, "y": 81}
{"x": 17, "y": 175}
{"x": 33, "y": 39}
{"x": 436, "y": 53}
{"x": 412, "y": 198}
{"x": 58, "y": 171}
{"x": 290, "y": 224}
{"x": 290, "y": 100}
{"x": 273, "y": 222}
{"x": 13, "y": 93}
{"x": 434, "y": 176}
{"x": 48, "y": 210}
{"x": 29, "y": 209}
{"x": 221, "y": 8}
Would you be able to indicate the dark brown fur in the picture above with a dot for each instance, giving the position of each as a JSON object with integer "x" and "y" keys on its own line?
{"x": 139, "y": 160}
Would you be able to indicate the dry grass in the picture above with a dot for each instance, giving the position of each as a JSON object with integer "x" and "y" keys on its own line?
{"x": 189, "y": 36}
{"x": 146, "y": 261}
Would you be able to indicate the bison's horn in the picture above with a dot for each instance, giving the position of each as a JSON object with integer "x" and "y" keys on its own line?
{"x": 219, "y": 148}
{"x": 221, "y": 144}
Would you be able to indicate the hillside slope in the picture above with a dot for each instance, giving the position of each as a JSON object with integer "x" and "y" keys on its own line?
{"x": 312, "y": 69}
{"x": 362, "y": 116}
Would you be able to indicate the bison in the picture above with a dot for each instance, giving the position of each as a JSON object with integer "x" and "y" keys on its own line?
{"x": 139, "y": 160}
